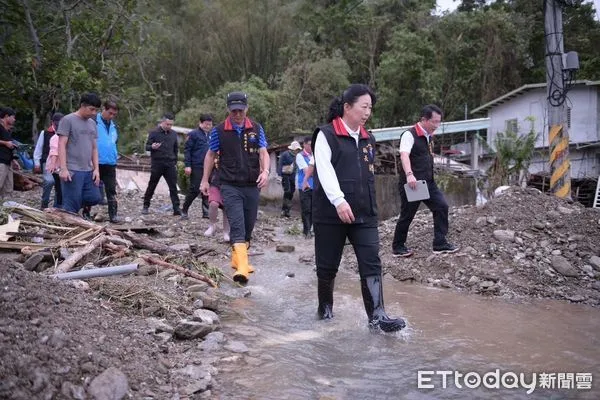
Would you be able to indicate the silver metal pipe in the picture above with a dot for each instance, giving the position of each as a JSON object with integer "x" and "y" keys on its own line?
{"x": 97, "y": 272}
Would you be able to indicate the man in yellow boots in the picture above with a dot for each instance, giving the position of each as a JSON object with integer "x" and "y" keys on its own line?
{"x": 243, "y": 171}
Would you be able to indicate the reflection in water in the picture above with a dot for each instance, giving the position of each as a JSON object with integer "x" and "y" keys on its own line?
{"x": 302, "y": 358}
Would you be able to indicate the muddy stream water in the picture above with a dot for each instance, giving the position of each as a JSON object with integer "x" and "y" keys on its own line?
{"x": 455, "y": 346}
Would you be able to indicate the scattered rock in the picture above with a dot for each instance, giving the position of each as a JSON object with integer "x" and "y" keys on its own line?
{"x": 504, "y": 235}
{"x": 196, "y": 387}
{"x": 36, "y": 258}
{"x": 236, "y": 347}
{"x": 206, "y": 316}
{"x": 565, "y": 210}
{"x": 290, "y": 274}
{"x": 595, "y": 262}
{"x": 473, "y": 281}
{"x": 109, "y": 385}
{"x": 284, "y": 248}
{"x": 157, "y": 326}
{"x": 188, "y": 330}
{"x": 576, "y": 298}
{"x": 564, "y": 267}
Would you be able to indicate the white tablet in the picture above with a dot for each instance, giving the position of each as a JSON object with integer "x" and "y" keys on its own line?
{"x": 421, "y": 192}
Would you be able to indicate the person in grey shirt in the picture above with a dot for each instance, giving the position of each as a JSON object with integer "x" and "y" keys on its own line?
{"x": 78, "y": 155}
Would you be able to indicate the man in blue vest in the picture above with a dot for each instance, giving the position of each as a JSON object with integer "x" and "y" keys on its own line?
{"x": 108, "y": 155}
{"x": 305, "y": 185}
{"x": 416, "y": 155}
{"x": 243, "y": 171}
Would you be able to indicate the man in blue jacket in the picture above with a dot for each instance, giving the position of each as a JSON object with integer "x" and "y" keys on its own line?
{"x": 195, "y": 150}
{"x": 108, "y": 155}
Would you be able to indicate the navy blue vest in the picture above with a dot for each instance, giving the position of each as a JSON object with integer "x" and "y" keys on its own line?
{"x": 355, "y": 173}
{"x": 421, "y": 159}
{"x": 239, "y": 159}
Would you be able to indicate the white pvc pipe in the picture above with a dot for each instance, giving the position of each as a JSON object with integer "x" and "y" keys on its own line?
{"x": 97, "y": 272}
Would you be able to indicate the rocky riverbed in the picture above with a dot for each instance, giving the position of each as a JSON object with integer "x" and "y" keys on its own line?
{"x": 160, "y": 335}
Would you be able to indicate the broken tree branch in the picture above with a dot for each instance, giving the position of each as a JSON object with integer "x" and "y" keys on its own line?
{"x": 148, "y": 244}
{"x": 191, "y": 274}
{"x": 74, "y": 258}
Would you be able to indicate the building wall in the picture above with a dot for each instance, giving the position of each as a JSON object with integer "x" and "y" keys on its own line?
{"x": 585, "y": 112}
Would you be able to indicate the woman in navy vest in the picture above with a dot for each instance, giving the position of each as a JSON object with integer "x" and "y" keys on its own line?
{"x": 344, "y": 204}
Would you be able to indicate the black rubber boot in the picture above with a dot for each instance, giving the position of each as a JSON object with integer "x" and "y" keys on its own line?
{"x": 372, "y": 292}
{"x": 325, "y": 293}
{"x": 86, "y": 213}
{"x": 112, "y": 212}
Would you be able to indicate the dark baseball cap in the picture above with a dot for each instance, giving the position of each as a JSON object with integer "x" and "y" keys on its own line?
{"x": 237, "y": 101}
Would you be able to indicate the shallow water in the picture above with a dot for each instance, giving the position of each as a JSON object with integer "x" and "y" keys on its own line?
{"x": 294, "y": 356}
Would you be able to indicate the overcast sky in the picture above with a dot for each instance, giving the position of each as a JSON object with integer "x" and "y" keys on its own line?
{"x": 452, "y": 4}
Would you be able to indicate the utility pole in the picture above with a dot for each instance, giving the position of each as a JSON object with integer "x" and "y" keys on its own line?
{"x": 560, "y": 181}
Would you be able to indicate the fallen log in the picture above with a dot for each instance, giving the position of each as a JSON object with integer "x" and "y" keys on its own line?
{"x": 117, "y": 240}
{"x": 67, "y": 218}
{"x": 74, "y": 258}
{"x": 145, "y": 243}
{"x": 191, "y": 274}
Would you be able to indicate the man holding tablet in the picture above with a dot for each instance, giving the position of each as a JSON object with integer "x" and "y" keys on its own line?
{"x": 416, "y": 155}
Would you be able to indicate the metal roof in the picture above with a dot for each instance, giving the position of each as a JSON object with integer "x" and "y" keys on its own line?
{"x": 383, "y": 134}
{"x": 523, "y": 89}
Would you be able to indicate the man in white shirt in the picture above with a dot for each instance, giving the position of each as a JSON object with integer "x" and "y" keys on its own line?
{"x": 416, "y": 155}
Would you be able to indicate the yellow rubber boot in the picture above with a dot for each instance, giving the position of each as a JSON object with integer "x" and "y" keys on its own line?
{"x": 243, "y": 269}
{"x": 234, "y": 263}
{"x": 233, "y": 258}
{"x": 250, "y": 268}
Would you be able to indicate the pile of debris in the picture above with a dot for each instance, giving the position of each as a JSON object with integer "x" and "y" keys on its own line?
{"x": 57, "y": 241}
{"x": 521, "y": 243}
{"x": 106, "y": 337}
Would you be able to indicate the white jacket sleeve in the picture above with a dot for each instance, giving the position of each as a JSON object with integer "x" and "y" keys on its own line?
{"x": 327, "y": 177}
{"x": 39, "y": 148}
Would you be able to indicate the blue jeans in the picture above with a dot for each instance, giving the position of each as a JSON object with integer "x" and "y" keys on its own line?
{"x": 80, "y": 191}
{"x": 49, "y": 183}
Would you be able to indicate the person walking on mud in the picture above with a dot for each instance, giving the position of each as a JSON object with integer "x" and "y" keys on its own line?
{"x": 286, "y": 169}
{"x": 243, "y": 171}
{"x": 344, "y": 204}
{"x": 163, "y": 147}
{"x": 195, "y": 150}
{"x": 215, "y": 201}
{"x": 305, "y": 185}
{"x": 78, "y": 156}
{"x": 108, "y": 155}
{"x": 416, "y": 157}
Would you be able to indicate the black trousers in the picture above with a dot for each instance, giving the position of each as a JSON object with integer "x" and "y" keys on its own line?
{"x": 329, "y": 245}
{"x": 240, "y": 204}
{"x": 169, "y": 172}
{"x": 194, "y": 191}
{"x": 288, "y": 182}
{"x": 108, "y": 176}
{"x": 439, "y": 208}
{"x": 306, "y": 208}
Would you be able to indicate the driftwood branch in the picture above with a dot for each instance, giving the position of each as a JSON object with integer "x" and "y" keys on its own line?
{"x": 74, "y": 258}
{"x": 148, "y": 244}
{"x": 191, "y": 274}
